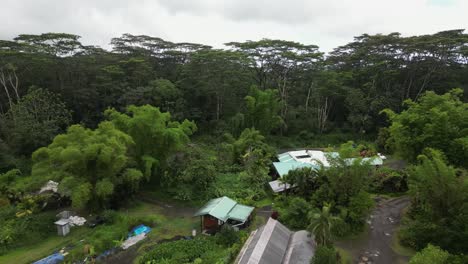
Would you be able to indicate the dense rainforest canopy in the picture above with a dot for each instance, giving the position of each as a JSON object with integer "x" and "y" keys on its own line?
{"x": 316, "y": 92}
{"x": 193, "y": 122}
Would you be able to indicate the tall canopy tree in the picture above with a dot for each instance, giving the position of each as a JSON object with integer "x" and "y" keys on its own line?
{"x": 263, "y": 110}
{"x": 439, "y": 212}
{"x": 155, "y": 135}
{"x": 434, "y": 121}
{"x": 90, "y": 165}
{"x": 276, "y": 64}
{"x": 34, "y": 121}
{"x": 215, "y": 81}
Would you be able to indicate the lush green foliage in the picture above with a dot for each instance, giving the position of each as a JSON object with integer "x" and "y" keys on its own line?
{"x": 325, "y": 255}
{"x": 321, "y": 225}
{"x": 293, "y": 211}
{"x": 305, "y": 180}
{"x": 25, "y": 230}
{"x": 180, "y": 251}
{"x": 227, "y": 236}
{"x": 430, "y": 254}
{"x": 434, "y": 121}
{"x": 91, "y": 165}
{"x": 34, "y": 120}
{"x": 252, "y": 152}
{"x": 439, "y": 212}
{"x": 343, "y": 186}
{"x": 302, "y": 99}
{"x": 192, "y": 174}
{"x": 155, "y": 135}
{"x": 262, "y": 110}
{"x": 387, "y": 180}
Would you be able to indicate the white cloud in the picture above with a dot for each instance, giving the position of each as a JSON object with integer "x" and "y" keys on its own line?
{"x": 214, "y": 22}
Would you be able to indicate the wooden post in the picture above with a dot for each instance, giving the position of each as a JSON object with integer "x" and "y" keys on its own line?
{"x": 201, "y": 224}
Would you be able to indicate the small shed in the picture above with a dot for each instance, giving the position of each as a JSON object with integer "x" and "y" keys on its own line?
{"x": 63, "y": 227}
{"x": 223, "y": 210}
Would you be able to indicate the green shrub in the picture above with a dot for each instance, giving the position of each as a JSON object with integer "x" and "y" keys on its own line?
{"x": 227, "y": 236}
{"x": 417, "y": 233}
{"x": 293, "y": 211}
{"x": 325, "y": 255}
{"x": 180, "y": 251}
{"x": 110, "y": 216}
{"x": 23, "y": 231}
{"x": 358, "y": 209}
{"x": 430, "y": 254}
{"x": 387, "y": 180}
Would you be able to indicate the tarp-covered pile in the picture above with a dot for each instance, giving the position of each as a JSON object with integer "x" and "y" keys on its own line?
{"x": 136, "y": 235}
{"x": 52, "y": 259}
{"x": 133, "y": 240}
{"x": 139, "y": 230}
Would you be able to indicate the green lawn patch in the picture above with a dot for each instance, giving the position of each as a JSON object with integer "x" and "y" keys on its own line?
{"x": 106, "y": 236}
{"x": 46, "y": 247}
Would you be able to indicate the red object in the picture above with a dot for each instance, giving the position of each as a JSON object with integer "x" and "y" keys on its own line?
{"x": 274, "y": 215}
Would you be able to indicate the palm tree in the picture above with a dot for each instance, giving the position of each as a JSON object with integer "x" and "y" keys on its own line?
{"x": 321, "y": 224}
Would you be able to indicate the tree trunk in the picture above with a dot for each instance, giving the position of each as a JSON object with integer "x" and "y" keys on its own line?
{"x": 308, "y": 98}
{"x": 3, "y": 81}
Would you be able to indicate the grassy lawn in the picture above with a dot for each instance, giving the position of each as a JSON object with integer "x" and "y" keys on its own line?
{"x": 167, "y": 227}
{"x": 45, "y": 248}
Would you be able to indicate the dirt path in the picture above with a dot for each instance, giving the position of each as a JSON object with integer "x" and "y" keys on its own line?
{"x": 376, "y": 247}
{"x": 170, "y": 209}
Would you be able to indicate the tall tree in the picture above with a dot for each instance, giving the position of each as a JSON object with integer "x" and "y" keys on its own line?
{"x": 321, "y": 225}
{"x": 155, "y": 135}
{"x": 276, "y": 62}
{"x": 90, "y": 165}
{"x": 434, "y": 121}
{"x": 439, "y": 212}
{"x": 216, "y": 80}
{"x": 263, "y": 109}
{"x": 34, "y": 121}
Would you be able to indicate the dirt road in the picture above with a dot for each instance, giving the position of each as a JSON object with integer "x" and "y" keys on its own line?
{"x": 376, "y": 247}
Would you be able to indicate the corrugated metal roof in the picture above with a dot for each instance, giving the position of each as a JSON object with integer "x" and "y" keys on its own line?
{"x": 268, "y": 246}
{"x": 224, "y": 208}
{"x": 274, "y": 243}
{"x": 301, "y": 248}
{"x": 313, "y": 159}
{"x": 284, "y": 167}
{"x": 285, "y": 157}
{"x": 62, "y": 222}
{"x": 240, "y": 212}
{"x": 278, "y": 186}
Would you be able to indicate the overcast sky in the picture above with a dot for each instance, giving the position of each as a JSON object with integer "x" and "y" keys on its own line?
{"x": 326, "y": 23}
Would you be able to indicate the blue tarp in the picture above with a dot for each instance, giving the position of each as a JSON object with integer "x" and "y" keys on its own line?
{"x": 52, "y": 259}
{"x": 139, "y": 230}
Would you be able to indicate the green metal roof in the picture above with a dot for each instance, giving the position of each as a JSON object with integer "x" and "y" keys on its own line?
{"x": 224, "y": 208}
{"x": 285, "y": 157}
{"x": 240, "y": 212}
{"x": 284, "y": 167}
